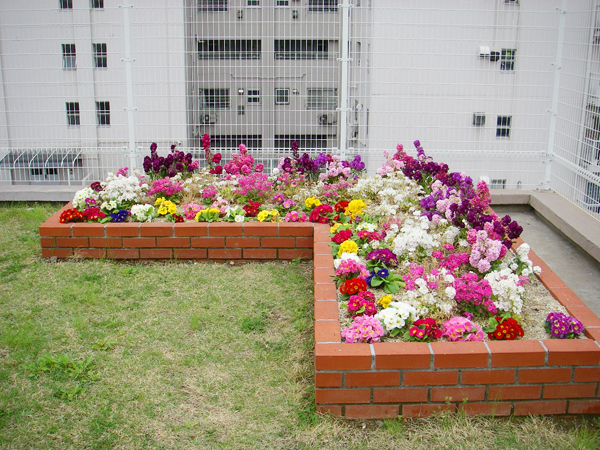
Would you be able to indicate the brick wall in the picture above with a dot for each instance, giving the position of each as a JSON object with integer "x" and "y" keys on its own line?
{"x": 379, "y": 380}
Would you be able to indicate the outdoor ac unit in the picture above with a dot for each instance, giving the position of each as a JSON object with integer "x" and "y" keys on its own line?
{"x": 208, "y": 118}
{"x": 494, "y": 56}
{"x": 327, "y": 118}
{"x": 478, "y": 119}
{"x": 484, "y": 52}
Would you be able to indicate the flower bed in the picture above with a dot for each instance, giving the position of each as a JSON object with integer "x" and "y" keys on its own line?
{"x": 417, "y": 256}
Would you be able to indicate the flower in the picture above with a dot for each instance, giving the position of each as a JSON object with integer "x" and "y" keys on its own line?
{"x": 504, "y": 329}
{"x": 348, "y": 247}
{"x": 561, "y": 326}
{"x": 312, "y": 202}
{"x": 71, "y": 215}
{"x": 352, "y": 286}
{"x": 385, "y": 301}
{"x": 355, "y": 208}
{"x": 364, "y": 329}
{"x": 462, "y": 329}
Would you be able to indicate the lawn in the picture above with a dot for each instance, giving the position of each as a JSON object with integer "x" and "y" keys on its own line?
{"x": 98, "y": 354}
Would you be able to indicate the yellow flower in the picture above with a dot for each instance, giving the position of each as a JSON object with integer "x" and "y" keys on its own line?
{"x": 166, "y": 207}
{"x": 312, "y": 202}
{"x": 385, "y": 301}
{"x": 159, "y": 200}
{"x": 214, "y": 211}
{"x": 274, "y": 213}
{"x": 334, "y": 228}
{"x": 348, "y": 246}
{"x": 355, "y": 208}
{"x": 262, "y": 216}
{"x": 162, "y": 211}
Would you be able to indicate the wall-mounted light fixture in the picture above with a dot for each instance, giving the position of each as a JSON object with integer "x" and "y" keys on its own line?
{"x": 295, "y": 91}
{"x": 241, "y": 91}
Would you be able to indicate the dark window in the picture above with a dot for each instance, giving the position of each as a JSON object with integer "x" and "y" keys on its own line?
{"x": 507, "y": 59}
{"x": 283, "y": 142}
{"x": 253, "y": 2}
{"x": 212, "y": 5}
{"x": 229, "y": 49}
{"x": 97, "y": 4}
{"x": 103, "y": 113}
{"x": 498, "y": 184}
{"x": 282, "y": 3}
{"x": 503, "y": 126}
{"x": 232, "y": 142}
{"x": 72, "y": 113}
{"x": 214, "y": 98}
{"x": 282, "y": 96}
{"x": 323, "y": 5}
{"x": 69, "y": 58}
{"x": 100, "y": 59}
{"x": 254, "y": 96}
{"x": 321, "y": 98}
{"x": 66, "y": 4}
{"x": 301, "y": 49}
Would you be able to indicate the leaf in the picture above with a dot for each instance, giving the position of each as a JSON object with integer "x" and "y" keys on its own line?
{"x": 395, "y": 331}
{"x": 376, "y": 281}
{"x": 391, "y": 288}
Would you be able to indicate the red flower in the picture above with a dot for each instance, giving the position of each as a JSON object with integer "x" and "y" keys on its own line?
{"x": 251, "y": 208}
{"x": 320, "y": 214}
{"x": 342, "y": 236}
{"x": 353, "y": 285}
{"x": 93, "y": 214}
{"x": 507, "y": 329}
{"x": 341, "y": 206}
{"x": 71, "y": 215}
{"x": 178, "y": 218}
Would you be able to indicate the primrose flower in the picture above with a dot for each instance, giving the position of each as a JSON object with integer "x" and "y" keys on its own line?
{"x": 312, "y": 202}
{"x": 355, "y": 208}
{"x": 385, "y": 301}
{"x": 348, "y": 247}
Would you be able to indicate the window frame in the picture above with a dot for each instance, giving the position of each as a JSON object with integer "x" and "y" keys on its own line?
{"x": 229, "y": 49}
{"x": 65, "y": 4}
{"x": 315, "y": 102}
{"x": 503, "y": 126}
{"x": 507, "y": 59}
{"x": 214, "y": 99}
{"x": 253, "y": 3}
{"x": 69, "y": 57}
{"x": 73, "y": 114}
{"x": 301, "y": 49}
{"x": 103, "y": 113}
{"x": 100, "y": 56}
{"x": 287, "y": 96}
{"x": 213, "y": 5}
{"x": 253, "y": 96}
{"x": 323, "y": 5}
{"x": 97, "y": 4}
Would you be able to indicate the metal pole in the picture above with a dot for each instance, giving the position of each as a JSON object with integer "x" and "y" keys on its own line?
{"x": 554, "y": 108}
{"x": 344, "y": 79}
{"x": 129, "y": 85}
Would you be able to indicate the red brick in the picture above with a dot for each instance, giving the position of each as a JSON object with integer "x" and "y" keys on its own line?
{"x": 323, "y": 275}
{"x": 322, "y": 249}
{"x": 402, "y": 395}
{"x": 430, "y": 378}
{"x": 566, "y": 352}
{"x": 239, "y": 242}
{"x": 72, "y": 242}
{"x": 584, "y": 407}
{"x": 122, "y": 229}
{"x": 448, "y": 355}
{"x": 457, "y": 394}
{"x": 57, "y": 252}
{"x": 329, "y": 409}
{"x": 224, "y": 253}
{"x": 583, "y": 374}
{"x": 326, "y": 291}
{"x": 180, "y": 242}
{"x": 296, "y": 229}
{"x": 328, "y": 379}
{"x": 570, "y": 390}
{"x": 551, "y": 280}
{"x": 567, "y": 297}
{"x": 190, "y": 229}
{"x": 302, "y": 242}
{"x": 119, "y": 253}
{"x": 260, "y": 229}
{"x": 277, "y": 242}
{"x": 494, "y": 376}
{"x": 225, "y": 229}
{"x": 326, "y": 310}
{"x": 155, "y": 253}
{"x": 260, "y": 253}
{"x": 537, "y": 261}
{"x": 323, "y": 261}
{"x": 402, "y": 355}
{"x": 337, "y": 396}
{"x": 530, "y": 392}
{"x": 486, "y": 409}
{"x": 342, "y": 356}
{"x": 46, "y": 229}
{"x": 540, "y": 408}
{"x": 139, "y": 242}
{"x": 208, "y": 242}
{"x": 190, "y": 253}
{"x": 88, "y": 229}
{"x": 327, "y": 331}
{"x": 156, "y": 229}
{"x": 47, "y": 241}
{"x": 108, "y": 242}
{"x": 425, "y": 409}
{"x": 358, "y": 379}
{"x": 303, "y": 253}
{"x": 371, "y": 412}
{"x": 91, "y": 252}
{"x": 593, "y": 333}
{"x": 517, "y": 353}
{"x": 544, "y": 375}
{"x": 585, "y": 315}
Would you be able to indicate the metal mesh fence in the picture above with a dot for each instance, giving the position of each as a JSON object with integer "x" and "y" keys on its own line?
{"x": 505, "y": 90}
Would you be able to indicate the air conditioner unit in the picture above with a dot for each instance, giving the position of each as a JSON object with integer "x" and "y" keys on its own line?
{"x": 484, "y": 52}
{"x": 327, "y": 119}
{"x": 494, "y": 56}
{"x": 208, "y": 118}
{"x": 478, "y": 119}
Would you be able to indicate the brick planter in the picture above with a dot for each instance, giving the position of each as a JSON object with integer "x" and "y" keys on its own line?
{"x": 360, "y": 381}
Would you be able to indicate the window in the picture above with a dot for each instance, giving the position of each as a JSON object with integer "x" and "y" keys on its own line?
{"x": 66, "y": 4}
{"x": 282, "y": 96}
{"x": 69, "y": 59}
{"x": 103, "y": 113}
{"x": 100, "y": 58}
{"x": 323, "y": 5}
{"x": 214, "y": 98}
{"x": 72, "y": 113}
{"x": 503, "y": 126}
{"x": 97, "y": 4}
{"x": 283, "y": 142}
{"x": 253, "y": 2}
{"x": 321, "y": 98}
{"x": 212, "y": 5}
{"x": 498, "y": 184}
{"x": 254, "y": 96}
{"x": 507, "y": 59}
{"x": 232, "y": 142}
{"x": 592, "y": 196}
{"x": 229, "y": 49}
{"x": 301, "y": 49}
{"x": 282, "y": 3}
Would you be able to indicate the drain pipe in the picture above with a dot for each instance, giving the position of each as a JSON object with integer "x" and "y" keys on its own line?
{"x": 344, "y": 62}
{"x": 131, "y": 150}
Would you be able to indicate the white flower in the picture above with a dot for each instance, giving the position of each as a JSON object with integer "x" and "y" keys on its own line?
{"x": 239, "y": 218}
{"x": 450, "y": 292}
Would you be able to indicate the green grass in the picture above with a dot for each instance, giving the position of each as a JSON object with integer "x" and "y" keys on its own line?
{"x": 101, "y": 355}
